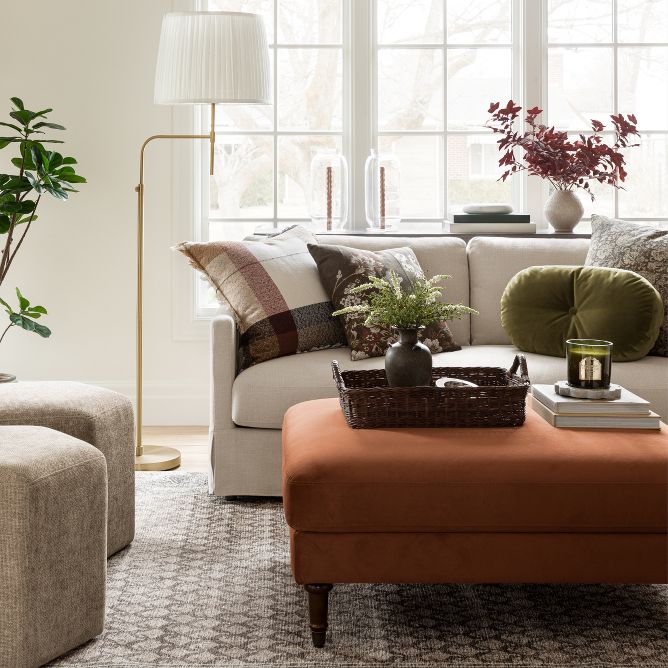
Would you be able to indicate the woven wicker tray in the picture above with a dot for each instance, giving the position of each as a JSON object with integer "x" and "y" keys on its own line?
{"x": 498, "y": 401}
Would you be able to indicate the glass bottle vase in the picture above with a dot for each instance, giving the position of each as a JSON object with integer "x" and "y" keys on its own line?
{"x": 381, "y": 184}
{"x": 328, "y": 201}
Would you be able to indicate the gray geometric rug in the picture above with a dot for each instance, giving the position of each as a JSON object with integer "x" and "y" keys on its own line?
{"x": 207, "y": 583}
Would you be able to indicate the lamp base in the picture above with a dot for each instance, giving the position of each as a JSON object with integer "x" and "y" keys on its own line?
{"x": 158, "y": 458}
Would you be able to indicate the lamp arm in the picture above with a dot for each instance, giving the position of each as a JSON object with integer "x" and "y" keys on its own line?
{"x": 140, "y": 260}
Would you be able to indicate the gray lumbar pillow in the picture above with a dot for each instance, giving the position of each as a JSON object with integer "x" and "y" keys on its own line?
{"x": 639, "y": 248}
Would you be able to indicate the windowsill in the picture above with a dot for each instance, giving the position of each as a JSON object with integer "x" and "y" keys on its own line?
{"x": 466, "y": 237}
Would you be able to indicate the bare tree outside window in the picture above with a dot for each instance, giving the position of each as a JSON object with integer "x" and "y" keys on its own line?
{"x": 438, "y": 64}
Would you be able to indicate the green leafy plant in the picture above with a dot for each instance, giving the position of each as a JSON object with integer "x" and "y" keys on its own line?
{"x": 39, "y": 172}
{"x": 25, "y": 317}
{"x": 389, "y": 305}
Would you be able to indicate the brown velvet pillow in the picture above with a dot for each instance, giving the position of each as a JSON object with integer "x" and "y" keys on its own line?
{"x": 342, "y": 268}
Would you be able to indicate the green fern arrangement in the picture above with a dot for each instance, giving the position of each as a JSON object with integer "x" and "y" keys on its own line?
{"x": 390, "y": 306}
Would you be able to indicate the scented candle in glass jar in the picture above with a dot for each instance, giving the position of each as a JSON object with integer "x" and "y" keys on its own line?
{"x": 589, "y": 363}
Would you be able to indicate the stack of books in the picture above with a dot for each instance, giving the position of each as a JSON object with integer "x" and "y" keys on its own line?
{"x": 491, "y": 223}
{"x": 627, "y": 412}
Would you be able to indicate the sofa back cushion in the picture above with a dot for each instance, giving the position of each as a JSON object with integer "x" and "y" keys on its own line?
{"x": 436, "y": 255}
{"x": 493, "y": 261}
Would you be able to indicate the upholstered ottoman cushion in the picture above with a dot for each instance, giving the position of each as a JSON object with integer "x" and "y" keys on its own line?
{"x": 529, "y": 479}
{"x": 100, "y": 417}
{"x": 53, "y": 534}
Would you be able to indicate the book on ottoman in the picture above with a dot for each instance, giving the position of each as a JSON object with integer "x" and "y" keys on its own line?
{"x": 628, "y": 403}
{"x": 628, "y": 412}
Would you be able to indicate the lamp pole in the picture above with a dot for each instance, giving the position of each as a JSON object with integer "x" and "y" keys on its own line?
{"x": 203, "y": 58}
{"x": 155, "y": 457}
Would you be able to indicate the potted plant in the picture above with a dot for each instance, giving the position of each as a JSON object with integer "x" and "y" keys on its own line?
{"x": 39, "y": 172}
{"x": 407, "y": 362}
{"x": 567, "y": 163}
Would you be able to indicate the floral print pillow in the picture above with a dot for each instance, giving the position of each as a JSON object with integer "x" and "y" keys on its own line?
{"x": 342, "y": 268}
{"x": 639, "y": 248}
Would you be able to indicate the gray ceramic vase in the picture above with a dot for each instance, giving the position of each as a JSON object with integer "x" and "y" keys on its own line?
{"x": 408, "y": 362}
{"x": 563, "y": 210}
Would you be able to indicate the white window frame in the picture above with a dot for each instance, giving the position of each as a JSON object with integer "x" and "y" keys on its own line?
{"x": 202, "y": 123}
{"x": 529, "y": 84}
{"x": 615, "y": 45}
{"x": 517, "y": 90}
{"x": 360, "y": 131}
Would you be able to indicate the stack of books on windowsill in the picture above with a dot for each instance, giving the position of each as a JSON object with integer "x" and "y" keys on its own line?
{"x": 628, "y": 412}
{"x": 491, "y": 223}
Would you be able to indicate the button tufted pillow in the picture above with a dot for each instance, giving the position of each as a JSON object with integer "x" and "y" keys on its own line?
{"x": 541, "y": 307}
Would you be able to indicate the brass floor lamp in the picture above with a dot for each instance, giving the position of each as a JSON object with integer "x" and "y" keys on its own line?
{"x": 203, "y": 58}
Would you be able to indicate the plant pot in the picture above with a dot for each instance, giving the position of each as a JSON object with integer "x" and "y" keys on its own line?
{"x": 563, "y": 210}
{"x": 7, "y": 378}
{"x": 408, "y": 362}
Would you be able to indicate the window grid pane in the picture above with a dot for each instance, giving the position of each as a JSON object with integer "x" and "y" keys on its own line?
{"x": 263, "y": 152}
{"x": 580, "y": 88}
{"x": 581, "y": 85}
{"x": 429, "y": 100}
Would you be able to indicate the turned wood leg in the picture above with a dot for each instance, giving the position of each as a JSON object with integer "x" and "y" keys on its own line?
{"x": 318, "y": 597}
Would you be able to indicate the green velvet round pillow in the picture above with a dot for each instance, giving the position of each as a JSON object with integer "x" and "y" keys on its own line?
{"x": 541, "y": 307}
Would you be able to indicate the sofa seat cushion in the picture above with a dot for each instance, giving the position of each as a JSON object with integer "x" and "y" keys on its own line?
{"x": 262, "y": 393}
{"x": 533, "y": 478}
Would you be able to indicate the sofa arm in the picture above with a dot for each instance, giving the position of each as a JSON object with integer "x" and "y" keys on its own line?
{"x": 224, "y": 346}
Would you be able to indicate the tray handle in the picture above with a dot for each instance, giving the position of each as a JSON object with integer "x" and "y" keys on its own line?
{"x": 338, "y": 378}
{"x": 520, "y": 363}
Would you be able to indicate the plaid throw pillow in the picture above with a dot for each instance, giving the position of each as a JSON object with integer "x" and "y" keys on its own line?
{"x": 275, "y": 292}
{"x": 342, "y": 268}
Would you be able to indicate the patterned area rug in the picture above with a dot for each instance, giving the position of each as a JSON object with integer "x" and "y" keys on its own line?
{"x": 207, "y": 583}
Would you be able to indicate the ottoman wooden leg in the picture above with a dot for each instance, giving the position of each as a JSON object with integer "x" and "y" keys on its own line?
{"x": 318, "y": 597}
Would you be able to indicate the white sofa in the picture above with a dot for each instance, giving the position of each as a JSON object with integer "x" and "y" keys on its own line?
{"x": 247, "y": 408}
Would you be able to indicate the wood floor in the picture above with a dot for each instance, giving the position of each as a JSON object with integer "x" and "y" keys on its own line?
{"x": 193, "y": 442}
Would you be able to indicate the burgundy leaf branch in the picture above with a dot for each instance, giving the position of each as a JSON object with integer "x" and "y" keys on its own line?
{"x": 550, "y": 154}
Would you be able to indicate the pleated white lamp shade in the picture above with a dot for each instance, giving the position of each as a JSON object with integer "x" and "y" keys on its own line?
{"x": 207, "y": 57}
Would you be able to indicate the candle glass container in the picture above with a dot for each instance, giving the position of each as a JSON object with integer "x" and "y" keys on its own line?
{"x": 381, "y": 191}
{"x": 589, "y": 363}
{"x": 328, "y": 205}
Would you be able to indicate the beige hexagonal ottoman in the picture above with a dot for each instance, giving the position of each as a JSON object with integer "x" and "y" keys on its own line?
{"x": 95, "y": 415}
{"x": 53, "y": 544}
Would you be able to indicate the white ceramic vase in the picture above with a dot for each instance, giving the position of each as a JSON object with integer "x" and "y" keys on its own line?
{"x": 563, "y": 210}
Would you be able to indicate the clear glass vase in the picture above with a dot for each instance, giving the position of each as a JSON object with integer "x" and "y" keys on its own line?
{"x": 328, "y": 205}
{"x": 382, "y": 178}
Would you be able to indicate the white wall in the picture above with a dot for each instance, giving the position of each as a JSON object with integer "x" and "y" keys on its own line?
{"x": 93, "y": 62}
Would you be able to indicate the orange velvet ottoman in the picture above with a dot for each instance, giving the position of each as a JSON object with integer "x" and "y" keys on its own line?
{"x": 500, "y": 505}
